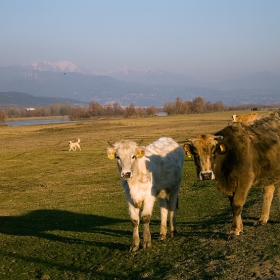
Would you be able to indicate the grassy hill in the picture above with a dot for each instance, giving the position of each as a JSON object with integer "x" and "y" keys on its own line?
{"x": 27, "y": 100}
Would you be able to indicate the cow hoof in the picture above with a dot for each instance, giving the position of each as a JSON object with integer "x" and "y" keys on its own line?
{"x": 147, "y": 245}
{"x": 173, "y": 233}
{"x": 260, "y": 223}
{"x": 133, "y": 248}
{"x": 234, "y": 232}
{"x": 162, "y": 237}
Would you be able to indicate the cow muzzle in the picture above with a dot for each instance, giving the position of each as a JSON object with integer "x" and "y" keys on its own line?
{"x": 126, "y": 175}
{"x": 209, "y": 175}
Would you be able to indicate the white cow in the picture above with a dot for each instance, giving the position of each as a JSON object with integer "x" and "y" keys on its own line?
{"x": 147, "y": 173}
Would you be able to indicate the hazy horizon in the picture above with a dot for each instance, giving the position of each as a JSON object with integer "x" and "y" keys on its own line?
{"x": 208, "y": 41}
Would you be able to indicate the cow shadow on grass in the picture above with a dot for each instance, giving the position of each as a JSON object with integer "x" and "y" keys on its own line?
{"x": 47, "y": 224}
{"x": 54, "y": 224}
{"x": 217, "y": 226}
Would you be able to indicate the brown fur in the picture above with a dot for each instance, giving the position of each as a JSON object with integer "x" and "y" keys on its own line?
{"x": 244, "y": 118}
{"x": 239, "y": 157}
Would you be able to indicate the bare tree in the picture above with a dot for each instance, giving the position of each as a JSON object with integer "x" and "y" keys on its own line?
{"x": 198, "y": 105}
{"x": 179, "y": 106}
{"x": 95, "y": 109}
{"x": 129, "y": 111}
{"x": 2, "y": 116}
{"x": 168, "y": 107}
{"x": 151, "y": 111}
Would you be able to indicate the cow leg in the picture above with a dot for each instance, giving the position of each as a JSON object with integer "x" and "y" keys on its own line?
{"x": 146, "y": 218}
{"x": 173, "y": 205}
{"x": 237, "y": 202}
{"x": 163, "y": 204}
{"x": 278, "y": 193}
{"x": 134, "y": 217}
{"x": 267, "y": 198}
{"x": 234, "y": 230}
{"x": 147, "y": 240}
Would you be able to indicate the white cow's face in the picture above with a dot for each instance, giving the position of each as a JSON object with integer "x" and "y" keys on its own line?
{"x": 126, "y": 153}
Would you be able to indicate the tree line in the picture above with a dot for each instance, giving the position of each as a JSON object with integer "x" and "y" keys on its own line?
{"x": 200, "y": 105}
{"x": 95, "y": 110}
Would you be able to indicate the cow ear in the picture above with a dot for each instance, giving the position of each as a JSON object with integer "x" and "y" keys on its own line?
{"x": 187, "y": 149}
{"x": 111, "y": 153}
{"x": 221, "y": 148}
{"x": 139, "y": 152}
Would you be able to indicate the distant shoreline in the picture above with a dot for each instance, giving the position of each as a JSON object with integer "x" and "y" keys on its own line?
{"x": 36, "y": 118}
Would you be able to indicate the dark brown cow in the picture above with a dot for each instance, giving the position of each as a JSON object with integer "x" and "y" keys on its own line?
{"x": 238, "y": 157}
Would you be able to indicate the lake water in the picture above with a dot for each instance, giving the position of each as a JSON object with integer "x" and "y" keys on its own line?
{"x": 49, "y": 121}
{"x": 32, "y": 122}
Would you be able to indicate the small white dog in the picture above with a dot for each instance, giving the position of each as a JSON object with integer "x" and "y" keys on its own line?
{"x": 74, "y": 145}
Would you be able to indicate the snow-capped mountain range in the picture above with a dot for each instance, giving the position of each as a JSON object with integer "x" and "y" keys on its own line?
{"x": 260, "y": 80}
{"x": 58, "y": 66}
{"x": 128, "y": 74}
{"x": 151, "y": 87}
{"x": 152, "y": 77}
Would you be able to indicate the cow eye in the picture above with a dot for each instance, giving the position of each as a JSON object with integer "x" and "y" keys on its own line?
{"x": 117, "y": 157}
{"x": 134, "y": 157}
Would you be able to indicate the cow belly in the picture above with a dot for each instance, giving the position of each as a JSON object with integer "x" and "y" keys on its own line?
{"x": 269, "y": 172}
{"x": 267, "y": 180}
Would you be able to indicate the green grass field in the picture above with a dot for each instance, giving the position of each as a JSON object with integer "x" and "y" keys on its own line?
{"x": 63, "y": 215}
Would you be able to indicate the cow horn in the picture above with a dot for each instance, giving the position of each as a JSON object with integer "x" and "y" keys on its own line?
{"x": 218, "y": 137}
{"x": 110, "y": 144}
{"x": 189, "y": 141}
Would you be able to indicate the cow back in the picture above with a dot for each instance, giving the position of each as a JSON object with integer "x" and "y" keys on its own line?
{"x": 164, "y": 159}
{"x": 253, "y": 148}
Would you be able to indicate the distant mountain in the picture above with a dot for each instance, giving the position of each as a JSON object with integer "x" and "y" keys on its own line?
{"x": 126, "y": 86}
{"x": 59, "y": 66}
{"x": 27, "y": 100}
{"x": 153, "y": 77}
{"x": 259, "y": 81}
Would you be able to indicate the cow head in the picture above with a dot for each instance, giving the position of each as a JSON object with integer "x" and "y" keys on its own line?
{"x": 126, "y": 153}
{"x": 205, "y": 149}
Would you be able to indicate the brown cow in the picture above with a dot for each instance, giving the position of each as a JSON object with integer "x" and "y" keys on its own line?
{"x": 244, "y": 118}
{"x": 238, "y": 157}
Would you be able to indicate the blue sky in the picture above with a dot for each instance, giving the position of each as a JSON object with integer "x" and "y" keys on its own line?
{"x": 209, "y": 40}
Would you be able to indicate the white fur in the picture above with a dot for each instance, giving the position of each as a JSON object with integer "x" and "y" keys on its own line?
{"x": 74, "y": 145}
{"x": 148, "y": 173}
